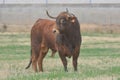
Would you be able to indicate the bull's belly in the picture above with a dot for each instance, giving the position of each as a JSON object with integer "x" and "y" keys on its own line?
{"x": 52, "y": 46}
{"x": 66, "y": 52}
{"x": 68, "y": 55}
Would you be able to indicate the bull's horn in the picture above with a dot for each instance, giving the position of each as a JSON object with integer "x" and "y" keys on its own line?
{"x": 67, "y": 10}
{"x": 49, "y": 15}
{"x": 72, "y": 15}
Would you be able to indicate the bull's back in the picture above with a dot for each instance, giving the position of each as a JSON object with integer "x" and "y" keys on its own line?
{"x": 42, "y": 30}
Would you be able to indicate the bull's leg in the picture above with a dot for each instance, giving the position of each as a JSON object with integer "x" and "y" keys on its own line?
{"x": 43, "y": 53}
{"x": 64, "y": 61}
{"x": 34, "y": 61}
{"x": 53, "y": 53}
{"x": 75, "y": 58}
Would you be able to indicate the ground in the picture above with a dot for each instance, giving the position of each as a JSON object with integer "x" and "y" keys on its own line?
{"x": 85, "y": 27}
{"x": 99, "y": 59}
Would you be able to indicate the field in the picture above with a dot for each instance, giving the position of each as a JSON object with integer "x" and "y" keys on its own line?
{"x": 99, "y": 59}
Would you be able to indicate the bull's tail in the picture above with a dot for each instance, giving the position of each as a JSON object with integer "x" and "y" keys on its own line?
{"x": 30, "y": 61}
{"x": 29, "y": 64}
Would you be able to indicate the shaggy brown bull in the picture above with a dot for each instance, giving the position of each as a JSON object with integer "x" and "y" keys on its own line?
{"x": 68, "y": 37}
{"x": 62, "y": 35}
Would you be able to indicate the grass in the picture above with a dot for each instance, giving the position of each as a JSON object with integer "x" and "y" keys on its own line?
{"x": 99, "y": 59}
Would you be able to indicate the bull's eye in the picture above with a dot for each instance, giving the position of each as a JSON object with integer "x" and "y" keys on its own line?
{"x": 63, "y": 21}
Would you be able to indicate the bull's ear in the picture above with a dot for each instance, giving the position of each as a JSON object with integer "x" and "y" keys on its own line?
{"x": 73, "y": 20}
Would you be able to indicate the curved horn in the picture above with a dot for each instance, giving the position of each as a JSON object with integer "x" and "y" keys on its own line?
{"x": 49, "y": 15}
{"x": 72, "y": 15}
{"x": 67, "y": 10}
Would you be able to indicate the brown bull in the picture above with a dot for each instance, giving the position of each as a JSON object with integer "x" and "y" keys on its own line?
{"x": 42, "y": 38}
{"x": 62, "y": 35}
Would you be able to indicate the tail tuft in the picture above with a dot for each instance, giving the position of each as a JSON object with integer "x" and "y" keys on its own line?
{"x": 29, "y": 64}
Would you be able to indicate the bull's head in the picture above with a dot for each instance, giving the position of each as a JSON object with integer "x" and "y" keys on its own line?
{"x": 63, "y": 21}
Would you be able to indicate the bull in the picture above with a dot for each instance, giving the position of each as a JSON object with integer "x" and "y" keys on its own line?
{"x": 62, "y": 35}
{"x": 42, "y": 39}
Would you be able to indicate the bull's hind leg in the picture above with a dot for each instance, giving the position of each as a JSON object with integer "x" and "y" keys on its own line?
{"x": 43, "y": 52}
{"x": 34, "y": 61}
{"x": 53, "y": 53}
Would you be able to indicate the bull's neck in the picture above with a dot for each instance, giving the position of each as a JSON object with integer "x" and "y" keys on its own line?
{"x": 68, "y": 37}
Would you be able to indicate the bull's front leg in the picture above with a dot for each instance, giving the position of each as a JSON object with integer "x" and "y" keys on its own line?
{"x": 75, "y": 58}
{"x": 64, "y": 61}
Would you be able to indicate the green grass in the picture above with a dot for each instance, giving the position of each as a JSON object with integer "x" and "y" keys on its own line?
{"x": 97, "y": 52}
{"x": 101, "y": 34}
{"x": 99, "y": 59}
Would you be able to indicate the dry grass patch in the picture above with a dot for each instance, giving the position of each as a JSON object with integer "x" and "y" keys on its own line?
{"x": 102, "y": 78}
{"x": 85, "y": 27}
{"x": 99, "y": 28}
{"x": 98, "y": 42}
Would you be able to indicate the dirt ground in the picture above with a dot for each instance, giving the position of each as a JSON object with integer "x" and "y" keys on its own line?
{"x": 110, "y": 28}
